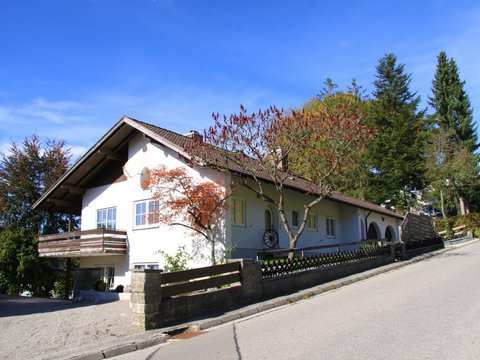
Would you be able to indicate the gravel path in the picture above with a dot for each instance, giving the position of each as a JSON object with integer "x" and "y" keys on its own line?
{"x": 31, "y": 327}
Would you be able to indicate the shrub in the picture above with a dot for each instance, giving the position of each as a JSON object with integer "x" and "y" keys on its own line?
{"x": 177, "y": 262}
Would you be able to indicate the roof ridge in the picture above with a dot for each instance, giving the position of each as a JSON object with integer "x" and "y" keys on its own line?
{"x": 157, "y": 127}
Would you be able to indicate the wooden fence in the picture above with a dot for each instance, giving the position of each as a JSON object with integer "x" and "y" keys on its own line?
{"x": 182, "y": 282}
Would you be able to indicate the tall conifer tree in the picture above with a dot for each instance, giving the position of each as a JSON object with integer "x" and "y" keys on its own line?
{"x": 454, "y": 128}
{"x": 452, "y": 106}
{"x": 453, "y": 111}
{"x": 396, "y": 155}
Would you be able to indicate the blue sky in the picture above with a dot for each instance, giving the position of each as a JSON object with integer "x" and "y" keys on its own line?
{"x": 70, "y": 69}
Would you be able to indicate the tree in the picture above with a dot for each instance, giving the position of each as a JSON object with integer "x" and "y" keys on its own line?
{"x": 454, "y": 130}
{"x": 354, "y": 180}
{"x": 20, "y": 267}
{"x": 195, "y": 205}
{"x": 257, "y": 148}
{"x": 452, "y": 107}
{"x": 396, "y": 155}
{"x": 453, "y": 170}
{"x": 26, "y": 170}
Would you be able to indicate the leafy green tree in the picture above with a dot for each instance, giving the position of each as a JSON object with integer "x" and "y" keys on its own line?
{"x": 26, "y": 171}
{"x": 396, "y": 155}
{"x": 453, "y": 170}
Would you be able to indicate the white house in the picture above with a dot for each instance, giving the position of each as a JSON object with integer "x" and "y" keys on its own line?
{"x": 104, "y": 187}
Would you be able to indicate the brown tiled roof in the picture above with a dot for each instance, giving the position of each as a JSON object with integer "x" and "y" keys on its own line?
{"x": 59, "y": 197}
{"x": 214, "y": 157}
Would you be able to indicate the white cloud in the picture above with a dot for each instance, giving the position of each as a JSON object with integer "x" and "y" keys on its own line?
{"x": 62, "y": 119}
{"x": 82, "y": 122}
{"x": 41, "y": 111}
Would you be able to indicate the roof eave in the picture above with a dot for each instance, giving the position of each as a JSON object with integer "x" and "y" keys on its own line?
{"x": 79, "y": 162}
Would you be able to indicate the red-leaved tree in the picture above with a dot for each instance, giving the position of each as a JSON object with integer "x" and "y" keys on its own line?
{"x": 186, "y": 201}
{"x": 256, "y": 148}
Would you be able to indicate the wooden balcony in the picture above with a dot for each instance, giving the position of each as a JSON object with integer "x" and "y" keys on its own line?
{"x": 83, "y": 243}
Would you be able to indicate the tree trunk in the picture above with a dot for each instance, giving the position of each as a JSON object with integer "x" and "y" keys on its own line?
{"x": 463, "y": 206}
{"x": 212, "y": 246}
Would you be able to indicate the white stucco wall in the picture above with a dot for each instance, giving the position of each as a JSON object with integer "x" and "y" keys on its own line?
{"x": 143, "y": 244}
{"x": 349, "y": 223}
{"x": 382, "y": 223}
{"x": 249, "y": 238}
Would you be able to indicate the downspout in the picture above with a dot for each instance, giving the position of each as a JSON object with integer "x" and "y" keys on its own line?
{"x": 366, "y": 223}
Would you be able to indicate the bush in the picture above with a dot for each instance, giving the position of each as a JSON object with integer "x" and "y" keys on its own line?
{"x": 471, "y": 222}
{"x": 20, "y": 267}
{"x": 177, "y": 262}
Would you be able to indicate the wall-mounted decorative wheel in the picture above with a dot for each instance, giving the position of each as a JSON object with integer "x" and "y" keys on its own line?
{"x": 270, "y": 238}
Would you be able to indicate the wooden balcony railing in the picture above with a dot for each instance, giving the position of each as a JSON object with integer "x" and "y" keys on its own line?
{"x": 83, "y": 243}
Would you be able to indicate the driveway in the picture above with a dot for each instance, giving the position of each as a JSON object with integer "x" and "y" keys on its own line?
{"x": 31, "y": 327}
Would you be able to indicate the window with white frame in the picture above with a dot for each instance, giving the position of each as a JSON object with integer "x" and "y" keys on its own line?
{"x": 107, "y": 218}
{"x": 146, "y": 213}
{"x": 331, "y": 232}
{"x": 312, "y": 222}
{"x": 238, "y": 211}
{"x": 294, "y": 218}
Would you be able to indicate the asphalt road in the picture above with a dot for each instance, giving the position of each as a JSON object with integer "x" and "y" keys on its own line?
{"x": 428, "y": 310}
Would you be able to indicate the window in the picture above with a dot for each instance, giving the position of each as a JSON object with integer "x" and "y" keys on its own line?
{"x": 107, "y": 218}
{"x": 238, "y": 211}
{"x": 312, "y": 222}
{"x": 331, "y": 227}
{"x": 146, "y": 213}
{"x": 107, "y": 275}
{"x": 294, "y": 218}
{"x": 153, "y": 266}
{"x": 268, "y": 219}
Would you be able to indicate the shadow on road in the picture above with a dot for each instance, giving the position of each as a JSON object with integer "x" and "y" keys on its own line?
{"x": 450, "y": 254}
{"x": 11, "y": 305}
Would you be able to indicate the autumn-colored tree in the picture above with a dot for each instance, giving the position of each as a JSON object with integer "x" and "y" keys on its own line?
{"x": 354, "y": 181}
{"x": 185, "y": 201}
{"x": 256, "y": 147}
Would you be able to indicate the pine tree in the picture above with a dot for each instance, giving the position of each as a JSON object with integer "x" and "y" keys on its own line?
{"x": 396, "y": 155}
{"x": 451, "y": 103}
{"x": 454, "y": 117}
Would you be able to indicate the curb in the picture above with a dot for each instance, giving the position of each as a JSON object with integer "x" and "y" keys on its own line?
{"x": 150, "y": 338}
